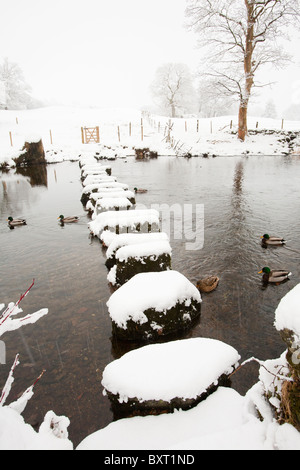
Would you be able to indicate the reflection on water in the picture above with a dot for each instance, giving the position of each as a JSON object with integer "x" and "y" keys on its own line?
{"x": 243, "y": 198}
{"x": 37, "y": 174}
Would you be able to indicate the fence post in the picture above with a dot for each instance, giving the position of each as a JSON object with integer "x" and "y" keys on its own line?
{"x": 197, "y": 125}
{"x": 82, "y": 135}
{"x": 10, "y": 136}
{"x": 51, "y": 137}
{"x": 98, "y": 134}
{"x": 130, "y": 129}
{"x": 282, "y": 121}
{"x": 119, "y": 133}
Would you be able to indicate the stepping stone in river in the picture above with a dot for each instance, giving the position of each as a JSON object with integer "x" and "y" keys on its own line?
{"x": 159, "y": 378}
{"x": 154, "y": 304}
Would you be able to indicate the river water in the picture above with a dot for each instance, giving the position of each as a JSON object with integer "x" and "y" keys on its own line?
{"x": 241, "y": 199}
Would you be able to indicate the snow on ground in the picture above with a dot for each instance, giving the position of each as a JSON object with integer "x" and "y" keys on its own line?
{"x": 224, "y": 421}
{"x": 15, "y": 434}
{"x": 121, "y": 131}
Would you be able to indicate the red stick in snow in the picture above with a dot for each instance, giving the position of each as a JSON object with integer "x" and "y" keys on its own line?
{"x": 8, "y": 312}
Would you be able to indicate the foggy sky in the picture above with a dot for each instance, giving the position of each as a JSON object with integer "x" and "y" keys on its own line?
{"x": 104, "y": 52}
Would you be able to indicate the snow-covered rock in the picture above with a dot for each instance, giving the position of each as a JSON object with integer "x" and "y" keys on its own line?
{"x": 152, "y": 304}
{"x": 180, "y": 371}
{"x": 287, "y": 314}
{"x": 132, "y": 259}
{"x": 111, "y": 203}
{"x": 124, "y": 220}
{"x": 125, "y": 239}
{"x": 287, "y": 322}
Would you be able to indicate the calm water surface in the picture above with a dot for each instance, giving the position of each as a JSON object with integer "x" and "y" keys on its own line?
{"x": 243, "y": 198}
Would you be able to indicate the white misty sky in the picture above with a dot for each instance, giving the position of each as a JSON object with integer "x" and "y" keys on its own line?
{"x": 103, "y": 52}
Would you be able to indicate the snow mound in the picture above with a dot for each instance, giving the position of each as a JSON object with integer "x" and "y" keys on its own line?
{"x": 159, "y": 290}
{"x": 287, "y": 314}
{"x": 15, "y": 434}
{"x": 125, "y": 239}
{"x": 107, "y": 192}
{"x": 183, "y": 369}
{"x": 139, "y": 250}
{"x": 108, "y": 203}
{"x": 123, "y": 219}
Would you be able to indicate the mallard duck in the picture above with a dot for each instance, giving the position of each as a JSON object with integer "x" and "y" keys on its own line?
{"x": 67, "y": 220}
{"x": 274, "y": 276}
{"x": 15, "y": 222}
{"x": 208, "y": 284}
{"x": 267, "y": 240}
{"x": 140, "y": 191}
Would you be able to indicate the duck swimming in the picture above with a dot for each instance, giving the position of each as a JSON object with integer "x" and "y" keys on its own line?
{"x": 267, "y": 240}
{"x": 208, "y": 284}
{"x": 67, "y": 220}
{"x": 140, "y": 191}
{"x": 15, "y": 222}
{"x": 274, "y": 276}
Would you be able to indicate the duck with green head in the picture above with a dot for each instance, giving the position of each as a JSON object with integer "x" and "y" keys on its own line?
{"x": 268, "y": 240}
{"x": 274, "y": 276}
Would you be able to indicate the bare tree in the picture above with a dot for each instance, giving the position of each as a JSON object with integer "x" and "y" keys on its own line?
{"x": 173, "y": 88}
{"x": 16, "y": 89}
{"x": 241, "y": 36}
{"x": 211, "y": 103}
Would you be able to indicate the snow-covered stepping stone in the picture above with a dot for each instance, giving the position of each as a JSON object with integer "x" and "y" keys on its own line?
{"x": 95, "y": 187}
{"x": 109, "y": 192}
{"x": 98, "y": 179}
{"x": 144, "y": 219}
{"x": 99, "y": 170}
{"x": 113, "y": 203}
{"x": 162, "y": 377}
{"x": 125, "y": 239}
{"x": 140, "y": 258}
{"x": 154, "y": 304}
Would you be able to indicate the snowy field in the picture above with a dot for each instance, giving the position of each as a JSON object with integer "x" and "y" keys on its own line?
{"x": 125, "y": 129}
{"x": 225, "y": 420}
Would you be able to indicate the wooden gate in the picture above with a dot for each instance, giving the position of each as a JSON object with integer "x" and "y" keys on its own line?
{"x": 90, "y": 134}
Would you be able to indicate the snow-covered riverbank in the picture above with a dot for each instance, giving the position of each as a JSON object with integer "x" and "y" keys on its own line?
{"x": 122, "y": 130}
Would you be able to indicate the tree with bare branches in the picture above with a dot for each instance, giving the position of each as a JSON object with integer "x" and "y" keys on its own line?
{"x": 15, "y": 92}
{"x": 240, "y": 37}
{"x": 173, "y": 88}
